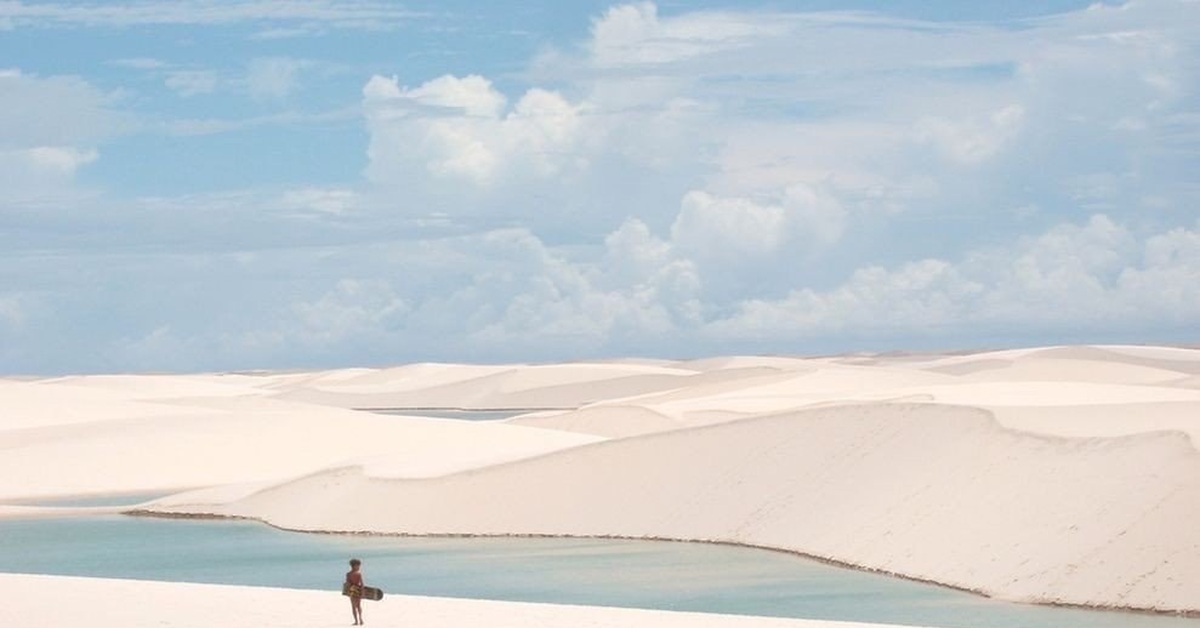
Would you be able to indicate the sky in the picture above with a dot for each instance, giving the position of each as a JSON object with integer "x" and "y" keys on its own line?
{"x": 249, "y": 184}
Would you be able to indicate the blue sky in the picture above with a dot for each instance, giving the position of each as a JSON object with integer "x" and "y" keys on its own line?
{"x": 226, "y": 185}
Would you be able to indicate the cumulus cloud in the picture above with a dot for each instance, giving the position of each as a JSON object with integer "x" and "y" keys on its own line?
{"x": 971, "y": 140}
{"x": 755, "y": 176}
{"x": 733, "y": 230}
{"x": 634, "y": 34}
{"x": 691, "y": 181}
{"x": 461, "y": 129}
{"x": 352, "y": 308}
{"x": 581, "y": 305}
{"x": 641, "y": 294}
{"x": 483, "y": 294}
{"x": 49, "y": 129}
{"x": 926, "y": 120}
{"x": 1097, "y": 276}
{"x": 54, "y": 111}
{"x": 507, "y": 294}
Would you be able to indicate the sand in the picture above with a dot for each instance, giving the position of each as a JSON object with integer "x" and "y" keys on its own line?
{"x": 1064, "y": 475}
{"x": 66, "y": 602}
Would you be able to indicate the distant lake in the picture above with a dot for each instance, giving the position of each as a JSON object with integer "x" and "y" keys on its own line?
{"x": 644, "y": 574}
{"x": 453, "y": 413}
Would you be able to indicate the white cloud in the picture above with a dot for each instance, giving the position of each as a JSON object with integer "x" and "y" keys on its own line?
{"x": 636, "y": 260}
{"x": 59, "y": 159}
{"x": 1065, "y": 274}
{"x": 42, "y": 176}
{"x": 330, "y": 201}
{"x": 1162, "y": 287}
{"x": 327, "y": 13}
{"x": 473, "y": 95}
{"x": 188, "y": 83}
{"x": 518, "y": 292}
{"x": 141, "y": 63}
{"x": 676, "y": 182}
{"x": 730, "y": 230}
{"x": 54, "y": 111}
{"x": 461, "y": 129}
{"x": 530, "y": 299}
{"x": 209, "y": 126}
{"x": 274, "y": 77}
{"x": 1096, "y": 277}
{"x": 772, "y": 152}
{"x": 911, "y": 299}
{"x": 353, "y": 308}
{"x": 974, "y": 140}
{"x": 926, "y": 120}
{"x": 506, "y": 294}
{"x": 271, "y": 34}
{"x": 634, "y": 34}
{"x": 582, "y": 305}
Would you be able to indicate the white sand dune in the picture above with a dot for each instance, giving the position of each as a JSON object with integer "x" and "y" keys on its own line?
{"x": 110, "y": 441}
{"x": 929, "y": 491}
{"x": 65, "y": 602}
{"x": 506, "y": 386}
{"x": 609, "y": 420}
{"x": 1059, "y": 474}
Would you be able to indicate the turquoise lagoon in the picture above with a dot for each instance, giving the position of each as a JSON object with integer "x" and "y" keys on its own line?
{"x": 632, "y": 573}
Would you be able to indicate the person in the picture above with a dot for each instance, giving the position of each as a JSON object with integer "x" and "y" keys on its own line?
{"x": 354, "y": 585}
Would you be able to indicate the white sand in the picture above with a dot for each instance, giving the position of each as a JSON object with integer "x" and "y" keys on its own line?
{"x": 62, "y": 602}
{"x": 138, "y": 438}
{"x": 1058, "y": 474}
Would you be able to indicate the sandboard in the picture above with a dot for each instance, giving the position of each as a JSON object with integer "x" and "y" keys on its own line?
{"x": 368, "y": 593}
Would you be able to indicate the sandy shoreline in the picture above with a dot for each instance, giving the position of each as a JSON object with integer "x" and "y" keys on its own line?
{"x": 1056, "y": 475}
{"x": 68, "y": 602}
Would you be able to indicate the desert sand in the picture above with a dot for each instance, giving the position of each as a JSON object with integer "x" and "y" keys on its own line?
{"x": 1062, "y": 475}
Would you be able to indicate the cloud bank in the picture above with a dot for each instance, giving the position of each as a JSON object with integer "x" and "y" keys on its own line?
{"x": 708, "y": 181}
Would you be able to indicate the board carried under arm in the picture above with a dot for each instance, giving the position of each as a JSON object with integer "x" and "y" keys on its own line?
{"x": 365, "y": 592}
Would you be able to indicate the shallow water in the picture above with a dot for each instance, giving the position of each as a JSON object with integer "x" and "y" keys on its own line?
{"x": 646, "y": 574}
{"x": 116, "y": 499}
{"x": 462, "y": 415}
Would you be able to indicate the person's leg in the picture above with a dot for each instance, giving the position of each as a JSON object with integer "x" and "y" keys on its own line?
{"x": 358, "y": 610}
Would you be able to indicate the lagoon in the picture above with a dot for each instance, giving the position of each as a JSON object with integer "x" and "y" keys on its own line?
{"x": 608, "y": 572}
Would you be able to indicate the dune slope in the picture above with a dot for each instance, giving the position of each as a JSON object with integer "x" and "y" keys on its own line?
{"x": 934, "y": 492}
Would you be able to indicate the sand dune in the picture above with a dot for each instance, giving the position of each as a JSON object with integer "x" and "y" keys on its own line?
{"x": 1056, "y": 474}
{"x": 928, "y": 491}
{"x": 63, "y": 440}
{"x": 609, "y": 420}
{"x": 507, "y": 386}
